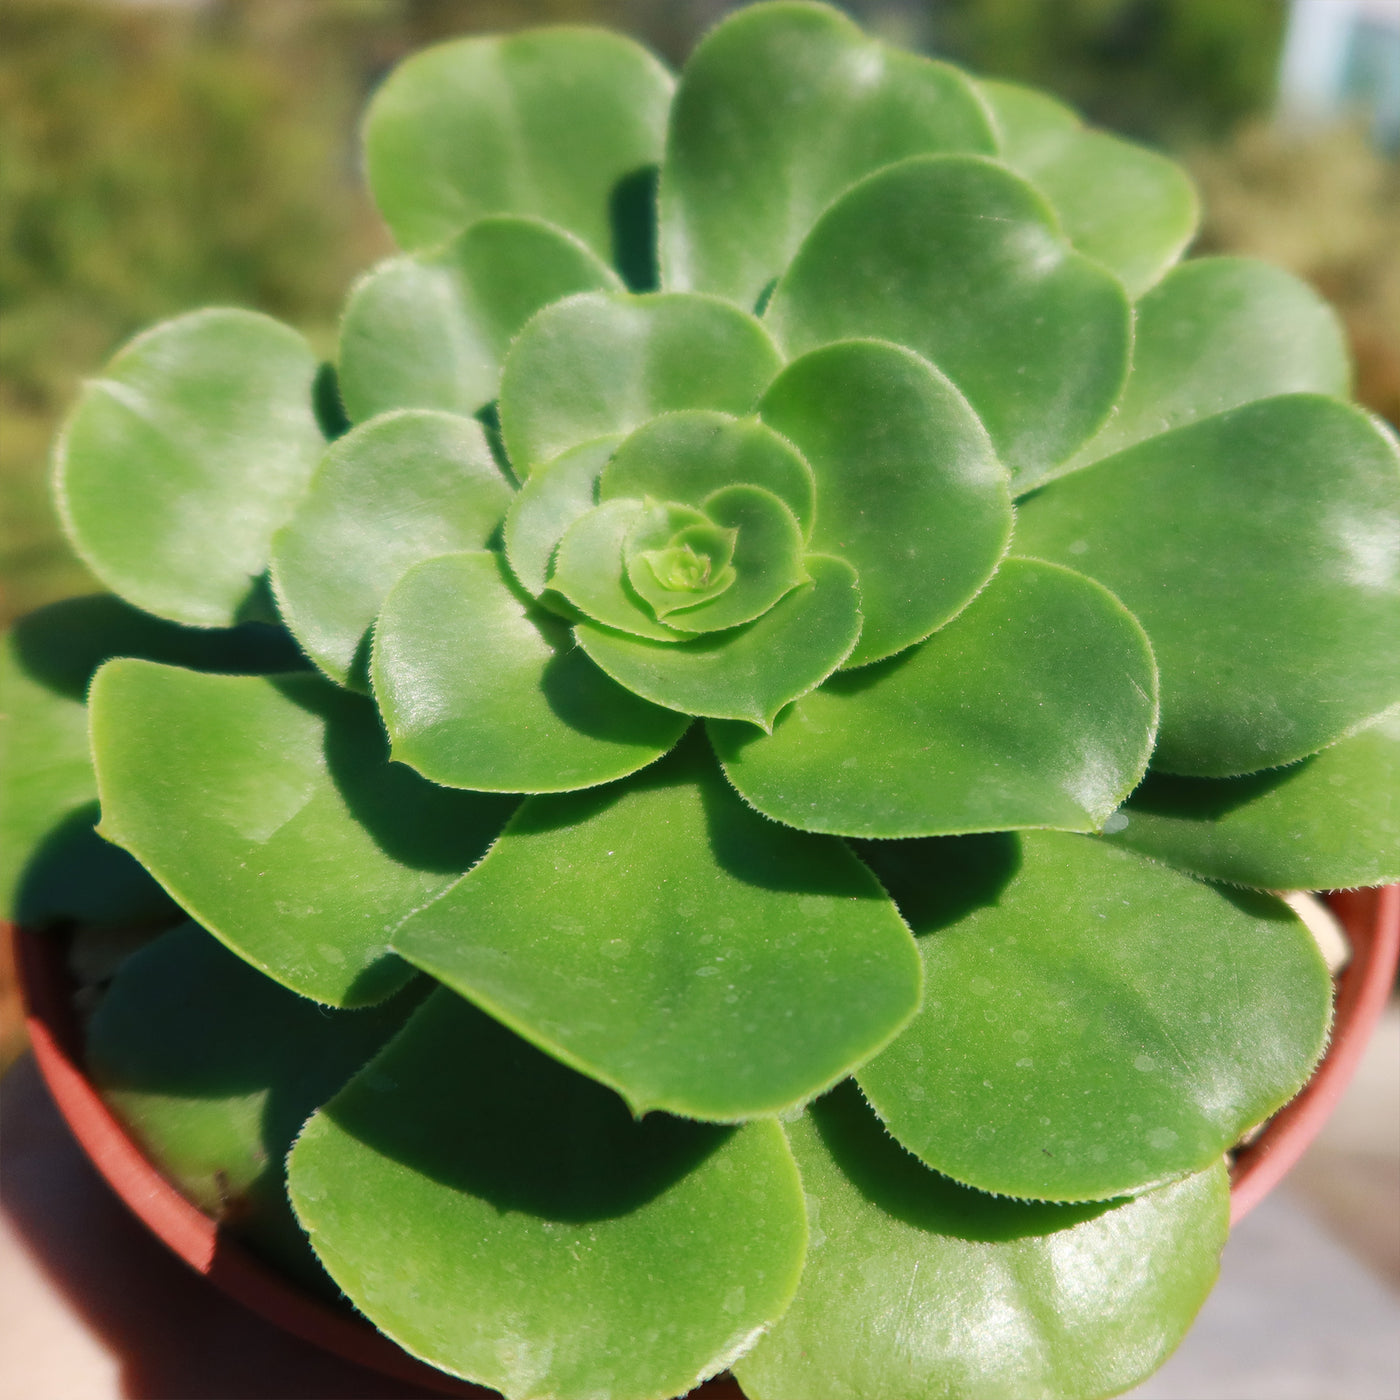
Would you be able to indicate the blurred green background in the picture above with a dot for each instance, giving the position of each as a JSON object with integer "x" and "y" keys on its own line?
{"x": 156, "y": 157}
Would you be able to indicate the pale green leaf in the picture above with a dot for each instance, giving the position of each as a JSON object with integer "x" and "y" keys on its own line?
{"x": 604, "y": 363}
{"x": 549, "y": 123}
{"x": 431, "y": 330}
{"x": 399, "y": 489}
{"x": 480, "y": 689}
{"x": 909, "y": 489}
{"x": 180, "y": 462}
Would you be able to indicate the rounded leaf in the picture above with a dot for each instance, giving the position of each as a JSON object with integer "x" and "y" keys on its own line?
{"x": 603, "y": 363}
{"x": 687, "y": 457}
{"x": 505, "y": 1219}
{"x": 589, "y": 571}
{"x": 431, "y": 330}
{"x": 1127, "y": 207}
{"x": 1218, "y": 333}
{"x": 909, "y": 489}
{"x": 399, "y": 489}
{"x": 779, "y": 109}
{"x": 480, "y": 689}
{"x": 547, "y": 122}
{"x": 287, "y": 782}
{"x": 916, "y": 1286}
{"x": 961, "y": 260}
{"x": 1093, "y": 1023}
{"x": 1331, "y": 821}
{"x": 1035, "y": 707}
{"x": 551, "y": 499}
{"x": 666, "y": 940}
{"x": 1261, "y": 550}
{"x": 746, "y": 673}
{"x": 180, "y": 462}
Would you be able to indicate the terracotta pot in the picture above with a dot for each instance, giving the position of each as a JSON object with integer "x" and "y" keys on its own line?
{"x": 1371, "y": 919}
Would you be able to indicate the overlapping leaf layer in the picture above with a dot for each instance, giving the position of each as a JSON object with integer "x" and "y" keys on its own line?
{"x": 694, "y": 700}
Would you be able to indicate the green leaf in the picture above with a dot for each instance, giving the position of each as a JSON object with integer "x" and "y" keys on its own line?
{"x": 214, "y": 1068}
{"x": 51, "y": 865}
{"x": 589, "y": 571}
{"x": 961, "y": 260}
{"x": 1261, "y": 549}
{"x": 667, "y": 941}
{"x": 399, "y": 489}
{"x": 481, "y": 689}
{"x": 180, "y": 462}
{"x": 1035, "y": 707}
{"x": 768, "y": 560}
{"x": 1127, "y": 207}
{"x": 431, "y": 330}
{"x": 779, "y": 109}
{"x": 1216, "y": 334}
{"x": 549, "y": 123}
{"x": 675, "y": 558}
{"x": 1331, "y": 821}
{"x": 909, "y": 488}
{"x": 509, "y": 1221}
{"x": 916, "y": 1286}
{"x": 1093, "y": 1023}
{"x": 747, "y": 673}
{"x": 551, "y": 499}
{"x": 603, "y": 363}
{"x": 688, "y": 456}
{"x": 287, "y": 782}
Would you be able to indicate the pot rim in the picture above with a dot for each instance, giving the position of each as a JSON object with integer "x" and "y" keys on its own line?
{"x": 1371, "y": 918}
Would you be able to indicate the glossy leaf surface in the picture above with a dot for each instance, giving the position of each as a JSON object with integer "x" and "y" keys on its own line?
{"x": 552, "y": 498}
{"x": 961, "y": 260}
{"x": 909, "y": 488}
{"x": 397, "y": 490}
{"x": 548, "y": 123}
{"x": 51, "y": 865}
{"x": 916, "y": 1286}
{"x": 214, "y": 1068}
{"x": 1035, "y": 707}
{"x": 1331, "y": 821}
{"x": 666, "y": 940}
{"x": 509, "y": 1221}
{"x": 184, "y": 457}
{"x": 431, "y": 330}
{"x": 603, "y": 363}
{"x": 1219, "y": 333}
{"x": 480, "y": 689}
{"x": 1093, "y": 1023}
{"x": 687, "y": 457}
{"x": 748, "y": 673}
{"x": 779, "y": 109}
{"x": 1127, "y": 207}
{"x": 1261, "y": 550}
{"x": 288, "y": 783}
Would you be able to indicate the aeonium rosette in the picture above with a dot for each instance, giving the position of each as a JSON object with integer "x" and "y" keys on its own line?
{"x": 751, "y": 546}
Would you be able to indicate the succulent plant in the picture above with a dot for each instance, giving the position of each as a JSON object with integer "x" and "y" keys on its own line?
{"x": 733, "y": 748}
